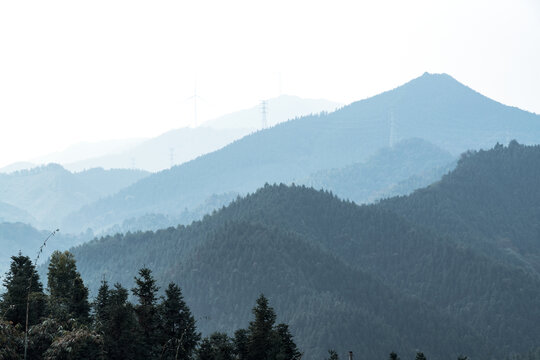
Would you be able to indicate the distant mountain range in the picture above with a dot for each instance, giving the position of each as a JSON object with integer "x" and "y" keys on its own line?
{"x": 179, "y": 145}
{"x": 45, "y": 195}
{"x": 435, "y": 108}
{"x": 449, "y": 269}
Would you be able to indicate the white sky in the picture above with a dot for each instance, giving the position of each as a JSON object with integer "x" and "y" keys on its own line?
{"x": 73, "y": 71}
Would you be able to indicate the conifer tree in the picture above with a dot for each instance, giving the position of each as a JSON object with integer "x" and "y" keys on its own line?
{"x": 180, "y": 336}
{"x": 420, "y": 356}
{"x": 260, "y": 331}
{"x": 285, "y": 347}
{"x": 101, "y": 304}
{"x": 146, "y": 309}
{"x": 68, "y": 295}
{"x": 22, "y": 283}
{"x": 122, "y": 339}
{"x": 394, "y": 356}
{"x": 241, "y": 341}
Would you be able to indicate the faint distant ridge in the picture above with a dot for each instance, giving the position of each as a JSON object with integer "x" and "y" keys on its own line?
{"x": 177, "y": 146}
{"x": 435, "y": 108}
{"x": 20, "y": 165}
{"x": 48, "y": 193}
{"x": 370, "y": 180}
{"x": 279, "y": 109}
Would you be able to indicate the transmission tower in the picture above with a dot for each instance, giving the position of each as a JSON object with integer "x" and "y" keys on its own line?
{"x": 264, "y": 112}
{"x": 195, "y": 97}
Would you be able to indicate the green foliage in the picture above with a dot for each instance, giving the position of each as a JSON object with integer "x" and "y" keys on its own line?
{"x": 68, "y": 295}
{"x": 120, "y": 328}
{"x": 78, "y": 344}
{"x": 11, "y": 341}
{"x": 260, "y": 330}
{"x": 218, "y": 346}
{"x": 146, "y": 309}
{"x": 179, "y": 333}
{"x": 285, "y": 348}
{"x": 22, "y": 283}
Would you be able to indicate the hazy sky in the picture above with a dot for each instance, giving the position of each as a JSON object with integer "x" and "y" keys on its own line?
{"x": 73, "y": 71}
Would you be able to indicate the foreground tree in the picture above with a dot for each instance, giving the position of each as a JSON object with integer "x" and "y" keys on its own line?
{"x": 146, "y": 310}
{"x": 11, "y": 341}
{"x": 118, "y": 324}
{"x": 68, "y": 295}
{"x": 179, "y": 333}
{"x": 285, "y": 348}
{"x": 217, "y": 346}
{"x": 22, "y": 284}
{"x": 78, "y": 344}
{"x": 266, "y": 341}
{"x": 260, "y": 332}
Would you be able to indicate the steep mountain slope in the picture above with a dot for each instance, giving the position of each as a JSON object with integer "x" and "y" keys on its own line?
{"x": 433, "y": 107}
{"x": 366, "y": 182}
{"x": 491, "y": 201}
{"x": 50, "y": 192}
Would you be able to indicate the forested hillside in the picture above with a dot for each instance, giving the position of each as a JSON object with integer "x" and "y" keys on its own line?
{"x": 435, "y": 108}
{"x": 489, "y": 202}
{"x": 290, "y": 242}
{"x": 388, "y": 171}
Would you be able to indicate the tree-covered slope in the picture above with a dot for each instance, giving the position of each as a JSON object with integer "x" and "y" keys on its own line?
{"x": 435, "y": 108}
{"x": 490, "y": 201}
{"x": 485, "y": 291}
{"x": 367, "y": 181}
{"x": 328, "y": 303}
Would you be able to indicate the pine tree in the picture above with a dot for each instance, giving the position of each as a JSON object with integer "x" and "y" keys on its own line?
{"x": 420, "y": 356}
{"x": 68, "y": 295}
{"x": 122, "y": 335}
{"x": 260, "y": 331}
{"x": 21, "y": 279}
{"x": 146, "y": 310}
{"x": 394, "y": 356}
{"x": 241, "y": 343}
{"x": 285, "y": 347}
{"x": 101, "y": 304}
{"x": 180, "y": 336}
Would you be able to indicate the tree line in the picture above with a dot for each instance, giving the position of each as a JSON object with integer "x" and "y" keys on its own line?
{"x": 64, "y": 324}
